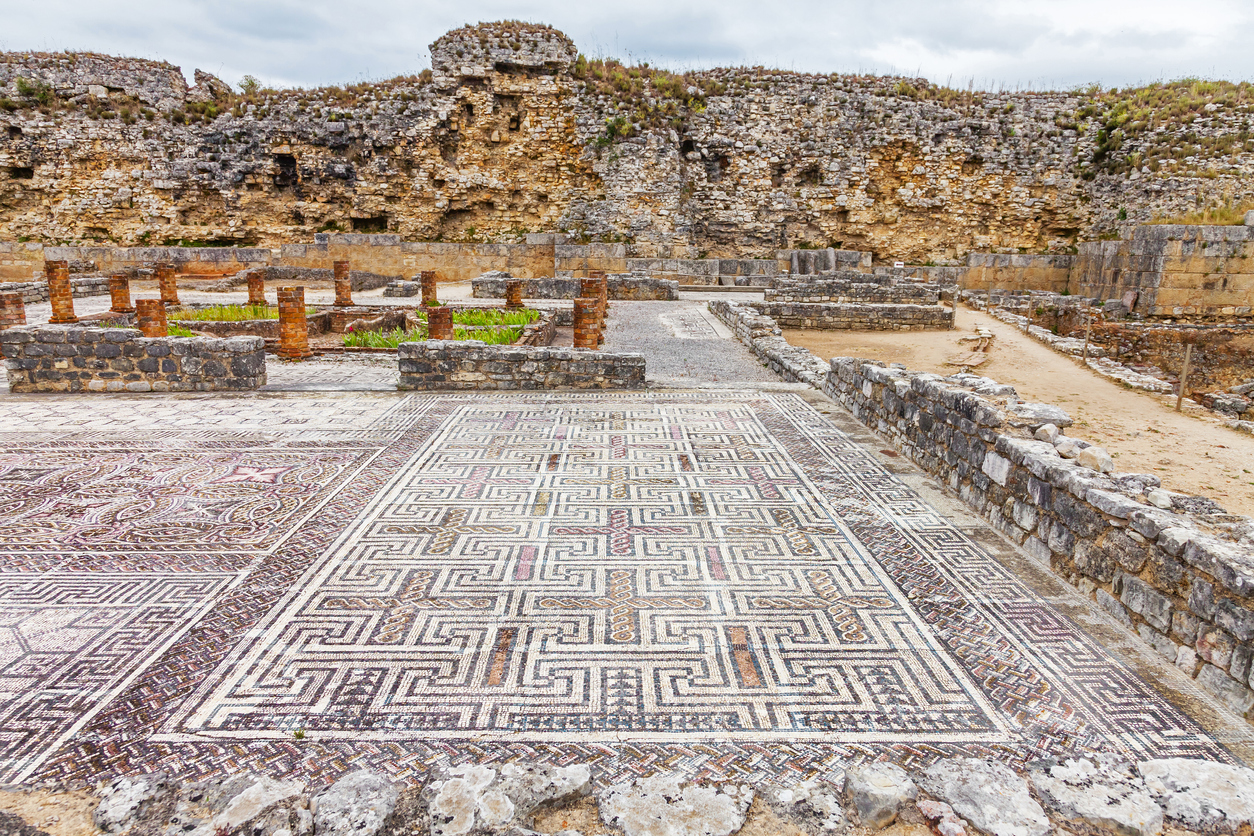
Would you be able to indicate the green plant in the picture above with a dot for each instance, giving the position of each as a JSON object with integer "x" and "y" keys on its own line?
{"x": 249, "y": 85}
{"x": 383, "y": 339}
{"x": 491, "y": 336}
{"x": 229, "y": 313}
{"x": 178, "y": 331}
{"x": 494, "y": 316}
{"x": 38, "y": 90}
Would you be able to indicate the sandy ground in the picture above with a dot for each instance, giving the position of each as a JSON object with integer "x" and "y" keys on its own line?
{"x": 56, "y": 813}
{"x": 1191, "y": 452}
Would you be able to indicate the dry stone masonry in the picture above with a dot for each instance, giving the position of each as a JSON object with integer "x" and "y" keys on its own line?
{"x": 58, "y": 358}
{"x": 467, "y": 365}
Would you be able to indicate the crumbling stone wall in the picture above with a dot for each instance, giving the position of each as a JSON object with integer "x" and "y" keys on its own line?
{"x": 1170, "y": 270}
{"x": 844, "y": 291}
{"x": 59, "y": 358}
{"x": 857, "y": 316}
{"x": 472, "y": 365}
{"x": 620, "y": 287}
{"x": 508, "y": 135}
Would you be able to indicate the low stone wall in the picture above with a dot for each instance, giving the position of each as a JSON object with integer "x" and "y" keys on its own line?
{"x": 830, "y": 316}
{"x": 846, "y": 292}
{"x": 67, "y": 358}
{"x": 622, "y": 288}
{"x": 33, "y": 292}
{"x": 360, "y": 280}
{"x": 1176, "y": 569}
{"x": 447, "y": 364}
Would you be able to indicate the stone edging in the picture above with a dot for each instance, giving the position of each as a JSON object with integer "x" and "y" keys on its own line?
{"x": 1183, "y": 579}
{"x": 956, "y": 796}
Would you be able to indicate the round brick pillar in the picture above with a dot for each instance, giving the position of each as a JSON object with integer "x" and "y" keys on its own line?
{"x": 513, "y": 293}
{"x": 150, "y": 318}
{"x": 293, "y": 327}
{"x": 12, "y": 310}
{"x": 427, "y": 277}
{"x": 120, "y": 294}
{"x": 343, "y": 285}
{"x": 169, "y": 285}
{"x": 587, "y": 334}
{"x": 256, "y": 291}
{"x": 439, "y": 323}
{"x": 59, "y": 292}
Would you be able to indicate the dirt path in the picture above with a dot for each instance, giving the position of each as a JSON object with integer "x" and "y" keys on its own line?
{"x": 1192, "y": 453}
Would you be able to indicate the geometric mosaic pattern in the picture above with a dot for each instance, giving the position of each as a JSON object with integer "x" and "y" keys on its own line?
{"x": 721, "y": 583}
{"x": 70, "y": 641}
{"x": 550, "y": 570}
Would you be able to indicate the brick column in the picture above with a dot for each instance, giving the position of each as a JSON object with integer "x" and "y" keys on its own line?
{"x": 587, "y": 334}
{"x": 150, "y": 318}
{"x": 169, "y": 285}
{"x": 513, "y": 293}
{"x": 427, "y": 277}
{"x": 58, "y": 273}
{"x": 120, "y": 294}
{"x": 603, "y": 306}
{"x": 439, "y": 323}
{"x": 256, "y": 290}
{"x": 343, "y": 286}
{"x": 293, "y": 326}
{"x": 12, "y": 310}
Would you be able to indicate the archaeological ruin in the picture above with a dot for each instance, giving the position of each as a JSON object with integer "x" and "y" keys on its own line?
{"x": 548, "y": 445}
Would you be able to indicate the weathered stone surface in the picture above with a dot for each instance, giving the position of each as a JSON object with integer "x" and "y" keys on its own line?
{"x": 943, "y": 818}
{"x": 814, "y": 807}
{"x": 878, "y": 792}
{"x": 355, "y": 805}
{"x": 1095, "y": 458}
{"x": 474, "y": 799}
{"x": 987, "y": 794}
{"x": 1038, "y": 415}
{"x": 122, "y": 801}
{"x": 205, "y": 808}
{"x": 1201, "y": 794}
{"x": 663, "y": 805}
{"x": 1104, "y": 792}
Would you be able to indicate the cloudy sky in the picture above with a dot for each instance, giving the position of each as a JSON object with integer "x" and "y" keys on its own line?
{"x": 1024, "y": 43}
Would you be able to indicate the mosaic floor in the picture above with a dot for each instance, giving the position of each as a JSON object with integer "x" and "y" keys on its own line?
{"x": 717, "y": 582}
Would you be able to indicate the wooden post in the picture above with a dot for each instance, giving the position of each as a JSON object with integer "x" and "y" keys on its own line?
{"x": 1184, "y": 375}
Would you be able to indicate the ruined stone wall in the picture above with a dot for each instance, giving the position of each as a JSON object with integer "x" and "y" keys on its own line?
{"x": 988, "y": 271}
{"x": 60, "y": 358}
{"x": 857, "y": 316}
{"x": 509, "y": 136}
{"x": 638, "y": 288}
{"x": 472, "y": 365}
{"x": 843, "y": 291}
{"x": 1194, "y": 271}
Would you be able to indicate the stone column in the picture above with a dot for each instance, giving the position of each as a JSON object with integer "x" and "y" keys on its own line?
{"x": 587, "y": 334}
{"x": 293, "y": 325}
{"x": 169, "y": 285}
{"x": 12, "y": 310}
{"x": 256, "y": 290}
{"x": 513, "y": 293}
{"x": 150, "y": 317}
{"x": 120, "y": 294}
{"x": 427, "y": 277}
{"x": 58, "y": 273}
{"x": 439, "y": 323}
{"x": 343, "y": 285}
